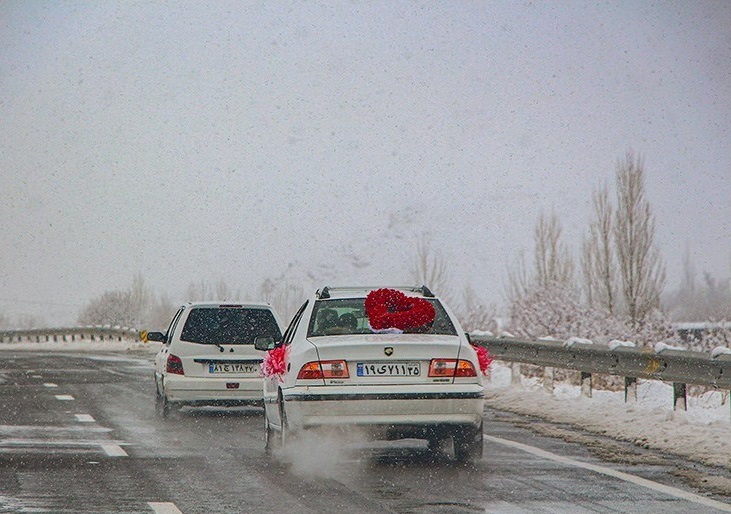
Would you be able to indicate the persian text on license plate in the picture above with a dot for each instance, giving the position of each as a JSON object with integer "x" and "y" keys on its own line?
{"x": 236, "y": 367}
{"x": 388, "y": 369}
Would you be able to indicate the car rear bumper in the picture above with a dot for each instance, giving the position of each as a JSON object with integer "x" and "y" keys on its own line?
{"x": 213, "y": 391}
{"x": 429, "y": 406}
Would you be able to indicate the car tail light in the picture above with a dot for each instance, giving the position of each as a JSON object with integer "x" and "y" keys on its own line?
{"x": 451, "y": 368}
{"x": 174, "y": 365}
{"x": 324, "y": 369}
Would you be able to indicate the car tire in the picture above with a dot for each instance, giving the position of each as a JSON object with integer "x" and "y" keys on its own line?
{"x": 272, "y": 438}
{"x": 468, "y": 444}
{"x": 164, "y": 408}
{"x": 161, "y": 405}
{"x": 157, "y": 387}
{"x": 286, "y": 433}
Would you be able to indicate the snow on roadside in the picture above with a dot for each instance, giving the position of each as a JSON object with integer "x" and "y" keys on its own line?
{"x": 700, "y": 434}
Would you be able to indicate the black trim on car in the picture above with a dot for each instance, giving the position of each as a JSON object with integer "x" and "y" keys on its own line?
{"x": 383, "y": 396}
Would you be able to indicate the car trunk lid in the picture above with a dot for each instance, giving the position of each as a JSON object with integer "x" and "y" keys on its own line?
{"x": 383, "y": 359}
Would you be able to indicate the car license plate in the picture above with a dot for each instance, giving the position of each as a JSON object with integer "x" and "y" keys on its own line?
{"x": 235, "y": 367}
{"x": 388, "y": 369}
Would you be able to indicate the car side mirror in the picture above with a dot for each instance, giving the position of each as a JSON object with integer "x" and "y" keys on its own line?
{"x": 158, "y": 337}
{"x": 264, "y": 343}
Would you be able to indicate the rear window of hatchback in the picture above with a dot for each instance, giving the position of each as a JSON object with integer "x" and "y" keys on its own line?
{"x": 229, "y": 325}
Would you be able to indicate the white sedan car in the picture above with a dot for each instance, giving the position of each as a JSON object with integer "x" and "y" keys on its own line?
{"x": 392, "y": 362}
{"x": 208, "y": 355}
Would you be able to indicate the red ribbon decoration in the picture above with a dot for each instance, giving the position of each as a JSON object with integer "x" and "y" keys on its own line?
{"x": 483, "y": 358}
{"x": 275, "y": 362}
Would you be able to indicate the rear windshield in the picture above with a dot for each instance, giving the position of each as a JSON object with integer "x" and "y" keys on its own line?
{"x": 229, "y": 325}
{"x": 347, "y": 316}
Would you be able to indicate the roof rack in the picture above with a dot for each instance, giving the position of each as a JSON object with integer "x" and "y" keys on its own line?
{"x": 325, "y": 291}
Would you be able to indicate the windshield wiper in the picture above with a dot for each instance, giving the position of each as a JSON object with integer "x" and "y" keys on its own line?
{"x": 213, "y": 343}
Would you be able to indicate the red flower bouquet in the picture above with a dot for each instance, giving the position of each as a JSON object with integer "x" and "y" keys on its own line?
{"x": 483, "y": 357}
{"x": 275, "y": 362}
{"x": 392, "y": 309}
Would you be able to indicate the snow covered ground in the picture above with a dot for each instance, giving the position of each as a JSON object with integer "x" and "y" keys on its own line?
{"x": 700, "y": 434}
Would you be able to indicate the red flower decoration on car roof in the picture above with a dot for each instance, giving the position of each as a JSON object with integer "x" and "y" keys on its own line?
{"x": 389, "y": 308}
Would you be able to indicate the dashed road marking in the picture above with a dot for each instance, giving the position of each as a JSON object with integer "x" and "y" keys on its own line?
{"x": 50, "y": 385}
{"x": 84, "y": 418}
{"x": 114, "y": 450}
{"x": 164, "y": 508}
{"x": 64, "y": 397}
{"x": 643, "y": 482}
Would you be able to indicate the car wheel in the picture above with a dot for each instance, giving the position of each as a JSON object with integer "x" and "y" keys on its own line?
{"x": 157, "y": 387}
{"x": 468, "y": 444}
{"x": 163, "y": 407}
{"x": 272, "y": 438}
{"x": 286, "y": 434}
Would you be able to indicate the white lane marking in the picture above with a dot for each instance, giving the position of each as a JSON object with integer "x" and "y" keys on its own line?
{"x": 84, "y": 418}
{"x": 643, "y": 482}
{"x": 111, "y": 448}
{"x": 114, "y": 450}
{"x": 164, "y": 508}
{"x": 64, "y": 397}
{"x": 50, "y": 385}
{"x": 28, "y": 430}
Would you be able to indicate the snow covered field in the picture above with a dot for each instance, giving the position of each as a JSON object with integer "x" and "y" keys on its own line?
{"x": 700, "y": 434}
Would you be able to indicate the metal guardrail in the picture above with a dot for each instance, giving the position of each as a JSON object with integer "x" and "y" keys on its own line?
{"x": 676, "y": 366}
{"x": 669, "y": 365}
{"x": 39, "y": 335}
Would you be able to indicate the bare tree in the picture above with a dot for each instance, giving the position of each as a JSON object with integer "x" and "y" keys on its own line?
{"x": 597, "y": 259}
{"x": 284, "y": 297}
{"x": 160, "y": 314}
{"x": 688, "y": 282}
{"x": 474, "y": 314}
{"x": 553, "y": 264}
{"x": 127, "y": 308}
{"x": 641, "y": 271}
{"x": 113, "y": 308}
{"x": 430, "y": 269}
{"x": 201, "y": 291}
{"x": 518, "y": 281}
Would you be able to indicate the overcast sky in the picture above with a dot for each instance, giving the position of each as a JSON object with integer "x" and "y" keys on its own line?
{"x": 193, "y": 141}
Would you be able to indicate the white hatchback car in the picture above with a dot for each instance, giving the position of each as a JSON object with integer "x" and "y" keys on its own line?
{"x": 347, "y": 360}
{"x": 208, "y": 355}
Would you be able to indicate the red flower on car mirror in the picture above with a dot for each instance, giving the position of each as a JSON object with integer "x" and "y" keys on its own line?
{"x": 275, "y": 362}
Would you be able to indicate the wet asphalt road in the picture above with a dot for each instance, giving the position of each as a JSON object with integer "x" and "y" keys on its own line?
{"x": 79, "y": 434}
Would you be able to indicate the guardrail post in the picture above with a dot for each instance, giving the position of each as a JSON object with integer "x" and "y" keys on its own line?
{"x": 630, "y": 389}
{"x": 548, "y": 379}
{"x": 680, "y": 401}
{"x": 586, "y": 384}
{"x": 515, "y": 373}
